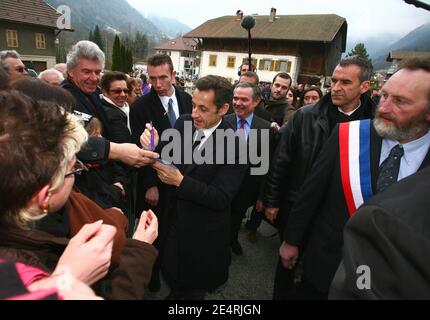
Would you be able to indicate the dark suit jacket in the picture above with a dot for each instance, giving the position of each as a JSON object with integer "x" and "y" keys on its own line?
{"x": 320, "y": 213}
{"x": 89, "y": 104}
{"x": 391, "y": 235}
{"x": 251, "y": 185}
{"x": 117, "y": 120}
{"x": 200, "y": 211}
{"x": 149, "y": 108}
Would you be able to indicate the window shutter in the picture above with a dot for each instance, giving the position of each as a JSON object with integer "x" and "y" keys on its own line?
{"x": 261, "y": 65}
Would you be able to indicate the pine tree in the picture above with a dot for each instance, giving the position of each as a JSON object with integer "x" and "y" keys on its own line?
{"x": 98, "y": 38}
{"x": 360, "y": 50}
{"x": 91, "y": 36}
{"x": 140, "y": 45}
{"x": 116, "y": 55}
{"x": 129, "y": 65}
{"x": 123, "y": 64}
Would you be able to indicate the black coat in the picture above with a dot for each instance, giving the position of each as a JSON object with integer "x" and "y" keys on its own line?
{"x": 199, "y": 209}
{"x": 149, "y": 108}
{"x": 89, "y": 104}
{"x": 391, "y": 235}
{"x": 321, "y": 211}
{"x": 251, "y": 185}
{"x": 301, "y": 141}
{"x": 117, "y": 121}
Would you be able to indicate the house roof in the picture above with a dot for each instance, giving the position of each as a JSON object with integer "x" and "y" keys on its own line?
{"x": 400, "y": 55}
{"x": 178, "y": 44}
{"x": 310, "y": 27}
{"x": 35, "y": 12}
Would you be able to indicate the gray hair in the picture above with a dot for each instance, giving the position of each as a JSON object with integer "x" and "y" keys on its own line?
{"x": 9, "y": 54}
{"x": 49, "y": 72}
{"x": 85, "y": 49}
{"x": 366, "y": 68}
{"x": 256, "y": 91}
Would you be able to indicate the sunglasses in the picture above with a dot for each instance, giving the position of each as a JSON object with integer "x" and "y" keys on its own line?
{"x": 21, "y": 69}
{"x": 118, "y": 91}
{"x": 77, "y": 169}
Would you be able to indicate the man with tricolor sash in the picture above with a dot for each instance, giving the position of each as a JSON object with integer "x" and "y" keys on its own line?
{"x": 360, "y": 159}
{"x": 301, "y": 141}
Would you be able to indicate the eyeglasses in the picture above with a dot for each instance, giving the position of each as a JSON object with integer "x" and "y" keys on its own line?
{"x": 21, "y": 69}
{"x": 77, "y": 169}
{"x": 118, "y": 91}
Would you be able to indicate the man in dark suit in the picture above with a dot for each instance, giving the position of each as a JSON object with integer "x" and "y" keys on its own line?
{"x": 256, "y": 131}
{"x": 85, "y": 62}
{"x": 390, "y": 237}
{"x": 301, "y": 141}
{"x": 114, "y": 101}
{"x": 162, "y": 106}
{"x": 196, "y": 256}
{"x": 399, "y": 146}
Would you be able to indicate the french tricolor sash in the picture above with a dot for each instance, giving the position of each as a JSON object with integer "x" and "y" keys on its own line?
{"x": 354, "y": 150}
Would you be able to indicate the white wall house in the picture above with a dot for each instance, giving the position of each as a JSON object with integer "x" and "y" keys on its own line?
{"x": 308, "y": 47}
{"x": 227, "y": 64}
{"x": 183, "y": 54}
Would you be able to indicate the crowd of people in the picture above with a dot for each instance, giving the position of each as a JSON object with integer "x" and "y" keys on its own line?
{"x": 109, "y": 185}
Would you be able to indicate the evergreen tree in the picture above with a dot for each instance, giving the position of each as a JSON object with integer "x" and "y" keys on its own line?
{"x": 123, "y": 64}
{"x": 91, "y": 36}
{"x": 116, "y": 55}
{"x": 360, "y": 50}
{"x": 98, "y": 38}
{"x": 140, "y": 45}
{"x": 129, "y": 66}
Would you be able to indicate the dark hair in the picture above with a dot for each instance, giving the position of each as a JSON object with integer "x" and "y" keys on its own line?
{"x": 416, "y": 64}
{"x": 143, "y": 78}
{"x": 31, "y": 149}
{"x": 4, "y": 77}
{"x": 42, "y": 91}
{"x": 313, "y": 88}
{"x": 110, "y": 77}
{"x": 159, "y": 59}
{"x": 251, "y": 74}
{"x": 366, "y": 68}
{"x": 256, "y": 91}
{"x": 222, "y": 88}
{"x": 283, "y": 75}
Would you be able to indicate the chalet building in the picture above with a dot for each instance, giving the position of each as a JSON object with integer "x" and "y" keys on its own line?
{"x": 29, "y": 27}
{"x": 183, "y": 53}
{"x": 396, "y": 56}
{"x": 308, "y": 47}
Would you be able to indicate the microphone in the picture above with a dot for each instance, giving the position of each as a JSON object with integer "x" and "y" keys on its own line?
{"x": 248, "y": 22}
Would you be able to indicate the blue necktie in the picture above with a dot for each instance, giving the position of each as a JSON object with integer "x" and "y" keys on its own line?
{"x": 171, "y": 113}
{"x": 389, "y": 169}
{"x": 242, "y": 130}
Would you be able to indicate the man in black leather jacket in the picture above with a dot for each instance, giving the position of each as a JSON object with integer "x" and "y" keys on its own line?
{"x": 301, "y": 141}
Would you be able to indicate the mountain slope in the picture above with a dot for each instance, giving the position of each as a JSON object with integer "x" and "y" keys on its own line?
{"x": 169, "y": 26}
{"x": 116, "y": 14}
{"x": 416, "y": 40}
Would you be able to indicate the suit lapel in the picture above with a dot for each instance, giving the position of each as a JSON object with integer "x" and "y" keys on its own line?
{"x": 426, "y": 161}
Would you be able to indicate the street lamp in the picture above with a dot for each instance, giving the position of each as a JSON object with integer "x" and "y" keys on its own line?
{"x": 248, "y": 23}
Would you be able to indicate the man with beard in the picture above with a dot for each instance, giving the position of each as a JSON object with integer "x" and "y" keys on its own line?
{"x": 360, "y": 159}
{"x": 277, "y": 104}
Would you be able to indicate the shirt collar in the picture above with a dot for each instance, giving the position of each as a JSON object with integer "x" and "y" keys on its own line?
{"x": 248, "y": 120}
{"x": 351, "y": 112}
{"x": 411, "y": 147}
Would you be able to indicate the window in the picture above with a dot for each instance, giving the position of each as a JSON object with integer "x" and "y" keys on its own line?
{"x": 231, "y": 62}
{"x": 12, "y": 38}
{"x": 40, "y": 41}
{"x": 212, "y": 60}
{"x": 254, "y": 62}
{"x": 267, "y": 65}
{"x": 283, "y": 66}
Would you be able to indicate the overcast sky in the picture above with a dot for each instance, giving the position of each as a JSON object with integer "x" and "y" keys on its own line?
{"x": 364, "y": 17}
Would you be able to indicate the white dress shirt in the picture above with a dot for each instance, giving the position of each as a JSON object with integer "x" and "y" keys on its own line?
{"x": 165, "y": 102}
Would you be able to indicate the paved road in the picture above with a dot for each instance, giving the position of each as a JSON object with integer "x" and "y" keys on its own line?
{"x": 251, "y": 275}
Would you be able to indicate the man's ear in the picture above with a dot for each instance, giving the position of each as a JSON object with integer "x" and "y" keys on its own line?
{"x": 42, "y": 197}
{"x": 223, "y": 110}
{"x": 364, "y": 87}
